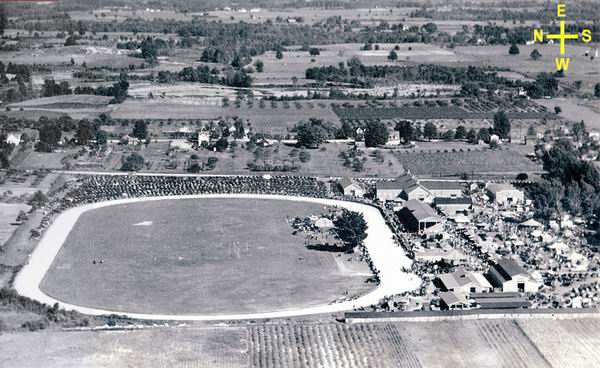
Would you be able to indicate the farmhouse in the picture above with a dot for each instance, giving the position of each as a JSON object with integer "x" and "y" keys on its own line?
{"x": 351, "y": 188}
{"x": 203, "y": 137}
{"x": 419, "y": 217}
{"x": 450, "y": 300}
{"x": 508, "y": 275}
{"x": 13, "y": 139}
{"x": 465, "y": 282}
{"x": 505, "y": 194}
{"x": 443, "y": 189}
{"x": 405, "y": 187}
{"x": 452, "y": 206}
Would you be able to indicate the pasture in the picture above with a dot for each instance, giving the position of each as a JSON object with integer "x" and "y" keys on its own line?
{"x": 206, "y": 256}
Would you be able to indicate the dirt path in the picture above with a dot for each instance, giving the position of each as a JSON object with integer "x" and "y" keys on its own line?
{"x": 386, "y": 255}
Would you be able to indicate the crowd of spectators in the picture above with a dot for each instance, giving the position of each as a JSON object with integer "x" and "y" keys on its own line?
{"x": 98, "y": 188}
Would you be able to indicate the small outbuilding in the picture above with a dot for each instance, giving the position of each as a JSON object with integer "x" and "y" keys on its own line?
{"x": 351, "y": 187}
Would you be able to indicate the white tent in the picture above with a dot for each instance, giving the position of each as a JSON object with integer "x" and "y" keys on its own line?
{"x": 530, "y": 223}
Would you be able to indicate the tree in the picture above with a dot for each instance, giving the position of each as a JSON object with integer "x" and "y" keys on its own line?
{"x": 430, "y": 27}
{"x": 222, "y": 144}
{"x": 502, "y": 125}
{"x": 38, "y": 200}
{"x": 471, "y": 136}
{"x": 557, "y": 109}
{"x": 279, "y": 55}
{"x": 405, "y": 130}
{"x": 597, "y": 90}
{"x": 579, "y": 130}
{"x": 312, "y": 133}
{"x": 393, "y": 56}
{"x": 376, "y": 134}
{"x": 86, "y": 131}
{"x": 259, "y": 65}
{"x": 535, "y": 55}
{"x": 71, "y": 41}
{"x": 140, "y": 129}
{"x": 304, "y": 156}
{"x": 313, "y": 51}
{"x": 351, "y": 228}
{"x": 101, "y": 138}
{"x": 133, "y": 162}
{"x": 461, "y": 132}
{"x": 513, "y": 50}
{"x": 3, "y": 19}
{"x": 484, "y": 135}
{"x": 49, "y": 134}
{"x": 448, "y": 135}
{"x": 430, "y": 131}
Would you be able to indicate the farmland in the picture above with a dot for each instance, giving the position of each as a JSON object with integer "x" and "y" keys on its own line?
{"x": 456, "y": 163}
{"x": 269, "y": 119}
{"x": 208, "y": 256}
{"x": 487, "y": 343}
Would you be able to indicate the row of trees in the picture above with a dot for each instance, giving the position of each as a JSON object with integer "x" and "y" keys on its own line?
{"x": 358, "y": 74}
{"x": 203, "y": 74}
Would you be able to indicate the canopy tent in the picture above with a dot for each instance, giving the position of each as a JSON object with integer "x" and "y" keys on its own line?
{"x": 530, "y": 223}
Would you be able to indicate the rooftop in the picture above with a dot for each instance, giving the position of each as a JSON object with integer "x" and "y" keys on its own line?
{"x": 457, "y": 200}
{"x": 421, "y": 210}
{"x": 448, "y": 185}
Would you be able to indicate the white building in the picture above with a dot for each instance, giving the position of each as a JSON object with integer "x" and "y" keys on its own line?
{"x": 352, "y": 188}
{"x": 465, "y": 282}
{"x": 508, "y": 275}
{"x": 13, "y": 139}
{"x": 506, "y": 194}
{"x": 203, "y": 137}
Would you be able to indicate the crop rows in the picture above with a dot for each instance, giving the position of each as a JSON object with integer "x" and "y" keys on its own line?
{"x": 465, "y": 162}
{"x": 328, "y": 345}
{"x": 511, "y": 345}
{"x": 583, "y": 349}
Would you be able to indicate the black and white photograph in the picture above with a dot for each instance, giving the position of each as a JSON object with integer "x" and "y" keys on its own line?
{"x": 300, "y": 183}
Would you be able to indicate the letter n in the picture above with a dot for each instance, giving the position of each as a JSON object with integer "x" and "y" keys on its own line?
{"x": 538, "y": 35}
{"x": 562, "y": 64}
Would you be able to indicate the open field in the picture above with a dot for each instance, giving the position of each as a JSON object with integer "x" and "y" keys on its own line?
{"x": 8, "y": 215}
{"x": 267, "y": 119}
{"x": 185, "y": 348}
{"x": 455, "y": 163}
{"x": 183, "y": 257}
{"x": 576, "y": 110}
{"x": 92, "y": 56}
{"x": 485, "y": 343}
{"x": 42, "y": 160}
{"x": 295, "y": 62}
{"x": 580, "y": 66}
{"x": 65, "y": 102}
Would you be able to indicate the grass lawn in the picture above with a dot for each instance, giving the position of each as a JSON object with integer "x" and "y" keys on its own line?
{"x": 179, "y": 257}
{"x": 8, "y": 215}
{"x": 37, "y": 160}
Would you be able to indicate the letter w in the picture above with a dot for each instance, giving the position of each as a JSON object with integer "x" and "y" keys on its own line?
{"x": 562, "y": 64}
